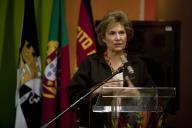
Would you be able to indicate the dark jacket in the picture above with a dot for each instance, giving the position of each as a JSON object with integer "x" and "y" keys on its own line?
{"x": 92, "y": 71}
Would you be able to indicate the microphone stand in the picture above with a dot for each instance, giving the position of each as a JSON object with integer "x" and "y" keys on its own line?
{"x": 84, "y": 96}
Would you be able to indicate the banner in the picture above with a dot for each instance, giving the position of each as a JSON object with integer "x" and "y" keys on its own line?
{"x": 86, "y": 37}
{"x": 28, "y": 74}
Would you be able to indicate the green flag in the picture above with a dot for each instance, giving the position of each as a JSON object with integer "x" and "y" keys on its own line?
{"x": 57, "y": 70}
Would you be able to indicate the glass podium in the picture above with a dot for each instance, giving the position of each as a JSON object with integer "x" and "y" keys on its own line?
{"x": 117, "y": 101}
{"x": 134, "y": 99}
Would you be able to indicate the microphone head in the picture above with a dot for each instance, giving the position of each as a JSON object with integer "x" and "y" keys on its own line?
{"x": 126, "y": 64}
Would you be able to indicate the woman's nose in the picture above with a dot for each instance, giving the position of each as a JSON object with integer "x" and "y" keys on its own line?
{"x": 117, "y": 36}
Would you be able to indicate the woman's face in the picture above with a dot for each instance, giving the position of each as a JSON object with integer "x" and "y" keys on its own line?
{"x": 115, "y": 38}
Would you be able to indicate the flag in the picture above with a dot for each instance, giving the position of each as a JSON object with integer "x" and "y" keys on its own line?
{"x": 28, "y": 97}
{"x": 65, "y": 121}
{"x": 57, "y": 70}
{"x": 86, "y": 37}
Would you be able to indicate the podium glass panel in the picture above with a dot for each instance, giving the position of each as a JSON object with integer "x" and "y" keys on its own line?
{"x": 134, "y": 99}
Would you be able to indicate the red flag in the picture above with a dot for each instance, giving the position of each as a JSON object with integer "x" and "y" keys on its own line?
{"x": 57, "y": 70}
{"x": 86, "y": 39}
{"x": 64, "y": 66}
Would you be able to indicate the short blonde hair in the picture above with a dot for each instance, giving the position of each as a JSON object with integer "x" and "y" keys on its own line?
{"x": 112, "y": 18}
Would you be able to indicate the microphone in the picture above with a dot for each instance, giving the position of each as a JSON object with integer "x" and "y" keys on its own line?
{"x": 127, "y": 65}
{"x": 127, "y": 71}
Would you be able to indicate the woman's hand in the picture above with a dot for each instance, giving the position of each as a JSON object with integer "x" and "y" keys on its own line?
{"x": 111, "y": 83}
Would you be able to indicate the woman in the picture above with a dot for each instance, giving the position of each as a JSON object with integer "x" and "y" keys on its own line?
{"x": 113, "y": 32}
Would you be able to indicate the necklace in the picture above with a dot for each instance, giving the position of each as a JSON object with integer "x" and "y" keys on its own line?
{"x": 108, "y": 61}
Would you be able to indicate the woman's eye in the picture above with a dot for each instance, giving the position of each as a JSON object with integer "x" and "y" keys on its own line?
{"x": 112, "y": 33}
{"x": 122, "y": 32}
